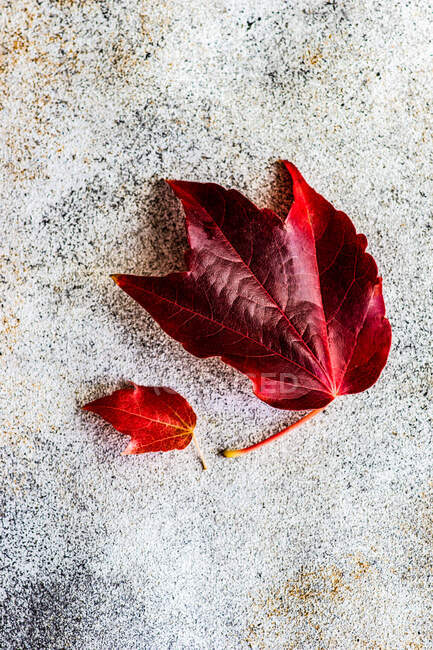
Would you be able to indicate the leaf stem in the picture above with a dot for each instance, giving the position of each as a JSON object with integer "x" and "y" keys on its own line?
{"x": 199, "y": 451}
{"x": 233, "y": 453}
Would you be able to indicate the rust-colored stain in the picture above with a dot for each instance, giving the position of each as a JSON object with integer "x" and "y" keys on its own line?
{"x": 300, "y": 600}
{"x": 427, "y": 511}
{"x": 299, "y": 610}
{"x": 310, "y": 585}
{"x": 9, "y": 325}
{"x": 29, "y": 65}
{"x": 45, "y": 63}
{"x": 313, "y": 57}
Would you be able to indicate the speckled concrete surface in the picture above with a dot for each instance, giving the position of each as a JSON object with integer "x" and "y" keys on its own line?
{"x": 325, "y": 539}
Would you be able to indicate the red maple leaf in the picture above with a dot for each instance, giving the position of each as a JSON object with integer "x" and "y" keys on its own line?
{"x": 156, "y": 418}
{"x": 296, "y": 304}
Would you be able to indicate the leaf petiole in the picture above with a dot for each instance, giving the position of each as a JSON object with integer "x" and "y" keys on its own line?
{"x": 199, "y": 451}
{"x": 233, "y": 453}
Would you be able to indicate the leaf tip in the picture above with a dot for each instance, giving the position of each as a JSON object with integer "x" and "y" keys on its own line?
{"x": 115, "y": 278}
{"x": 177, "y": 187}
{"x": 130, "y": 449}
{"x": 288, "y": 165}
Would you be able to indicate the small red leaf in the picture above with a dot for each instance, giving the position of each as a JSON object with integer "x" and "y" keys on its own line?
{"x": 156, "y": 418}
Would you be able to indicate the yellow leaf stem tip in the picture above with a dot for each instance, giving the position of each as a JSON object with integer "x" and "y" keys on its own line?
{"x": 232, "y": 453}
{"x": 115, "y": 278}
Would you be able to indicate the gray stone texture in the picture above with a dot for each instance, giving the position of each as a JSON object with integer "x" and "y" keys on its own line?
{"x": 322, "y": 540}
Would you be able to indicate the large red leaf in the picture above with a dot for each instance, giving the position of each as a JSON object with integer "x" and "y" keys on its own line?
{"x": 296, "y": 305}
{"x": 157, "y": 419}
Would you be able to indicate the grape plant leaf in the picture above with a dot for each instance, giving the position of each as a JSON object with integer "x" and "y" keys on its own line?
{"x": 295, "y": 304}
{"x": 156, "y": 418}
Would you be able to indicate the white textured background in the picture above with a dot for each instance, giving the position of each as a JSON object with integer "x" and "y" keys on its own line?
{"x": 323, "y": 540}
